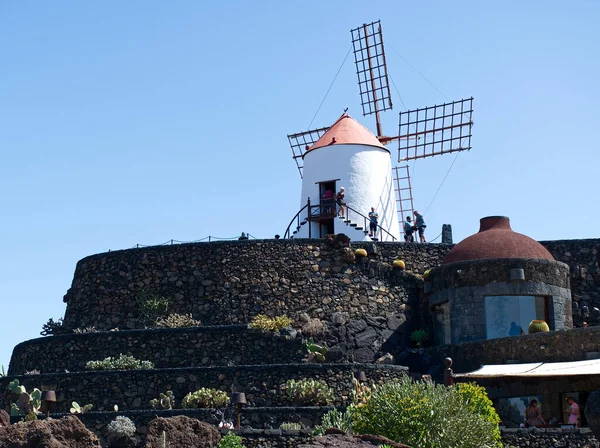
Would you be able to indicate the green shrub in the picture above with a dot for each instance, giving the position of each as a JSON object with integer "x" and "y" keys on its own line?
{"x": 308, "y": 392}
{"x": 335, "y": 419}
{"x": 230, "y": 441}
{"x": 419, "y": 336}
{"x": 478, "y": 403}
{"x": 85, "y": 330}
{"x": 123, "y": 362}
{"x": 165, "y": 401}
{"x": 150, "y": 306}
{"x": 290, "y": 426}
{"x": 424, "y": 415}
{"x": 266, "y": 323}
{"x": 205, "y": 398}
{"x": 177, "y": 321}
{"x": 53, "y": 328}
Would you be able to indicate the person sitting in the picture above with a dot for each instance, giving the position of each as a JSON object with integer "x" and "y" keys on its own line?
{"x": 243, "y": 237}
{"x": 328, "y": 201}
{"x": 408, "y": 230}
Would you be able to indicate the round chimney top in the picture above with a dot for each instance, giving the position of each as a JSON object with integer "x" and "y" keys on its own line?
{"x": 496, "y": 239}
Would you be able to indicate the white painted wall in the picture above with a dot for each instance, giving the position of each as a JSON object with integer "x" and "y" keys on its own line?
{"x": 366, "y": 173}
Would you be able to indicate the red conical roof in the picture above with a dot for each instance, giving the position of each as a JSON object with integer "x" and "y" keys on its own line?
{"x": 496, "y": 239}
{"x": 347, "y": 131}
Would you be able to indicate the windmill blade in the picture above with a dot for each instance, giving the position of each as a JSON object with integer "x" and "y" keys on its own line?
{"x": 301, "y": 141}
{"x": 434, "y": 130}
{"x": 371, "y": 69}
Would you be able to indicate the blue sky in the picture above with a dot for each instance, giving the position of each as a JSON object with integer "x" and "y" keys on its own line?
{"x": 141, "y": 121}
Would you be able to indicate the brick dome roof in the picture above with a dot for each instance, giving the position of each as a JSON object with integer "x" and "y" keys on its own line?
{"x": 496, "y": 239}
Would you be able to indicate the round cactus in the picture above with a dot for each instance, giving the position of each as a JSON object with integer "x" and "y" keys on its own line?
{"x": 360, "y": 253}
{"x": 538, "y": 326}
{"x": 399, "y": 264}
{"x": 426, "y": 274}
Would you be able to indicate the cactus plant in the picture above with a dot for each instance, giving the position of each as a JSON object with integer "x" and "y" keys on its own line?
{"x": 419, "y": 336}
{"x": 399, "y": 264}
{"x": 166, "y": 401}
{"x": 16, "y": 388}
{"x": 360, "y": 253}
{"x": 538, "y": 326}
{"x": 316, "y": 352}
{"x": 77, "y": 409}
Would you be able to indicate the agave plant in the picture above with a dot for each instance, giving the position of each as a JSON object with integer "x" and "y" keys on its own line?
{"x": 419, "y": 336}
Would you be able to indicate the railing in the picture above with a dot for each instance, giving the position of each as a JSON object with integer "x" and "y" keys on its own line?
{"x": 367, "y": 221}
{"x": 328, "y": 209}
{"x": 296, "y": 218}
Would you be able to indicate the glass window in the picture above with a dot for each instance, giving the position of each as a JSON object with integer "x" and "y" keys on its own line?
{"x": 442, "y": 324}
{"x": 511, "y": 315}
{"x": 512, "y": 410}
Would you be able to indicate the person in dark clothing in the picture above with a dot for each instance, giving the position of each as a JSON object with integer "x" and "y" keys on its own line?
{"x": 339, "y": 199}
{"x": 420, "y": 226}
{"x": 408, "y": 230}
{"x": 243, "y": 237}
{"x": 373, "y": 219}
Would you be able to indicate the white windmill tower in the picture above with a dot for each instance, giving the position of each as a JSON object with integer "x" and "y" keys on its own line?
{"x": 349, "y": 155}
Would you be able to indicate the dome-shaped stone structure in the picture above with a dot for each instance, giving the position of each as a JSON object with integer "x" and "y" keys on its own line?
{"x": 494, "y": 283}
{"x": 496, "y": 239}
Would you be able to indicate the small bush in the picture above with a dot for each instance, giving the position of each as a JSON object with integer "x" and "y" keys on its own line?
{"x": 123, "y": 362}
{"x": 120, "y": 427}
{"x": 335, "y": 419}
{"x": 266, "y": 323}
{"x": 166, "y": 401}
{"x": 424, "y": 415}
{"x": 290, "y": 426}
{"x": 308, "y": 392}
{"x": 177, "y": 321}
{"x": 314, "y": 327}
{"x": 205, "y": 398}
{"x": 150, "y": 306}
{"x": 230, "y": 441}
{"x": 419, "y": 336}
{"x": 52, "y": 328}
{"x": 85, "y": 330}
{"x": 478, "y": 402}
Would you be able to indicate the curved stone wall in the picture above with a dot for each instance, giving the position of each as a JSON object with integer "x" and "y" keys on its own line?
{"x": 484, "y": 272}
{"x": 465, "y": 285}
{"x": 180, "y": 347}
{"x": 230, "y": 282}
{"x": 134, "y": 389}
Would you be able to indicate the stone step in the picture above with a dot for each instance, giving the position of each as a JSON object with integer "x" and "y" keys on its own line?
{"x": 133, "y": 389}
{"x": 165, "y": 347}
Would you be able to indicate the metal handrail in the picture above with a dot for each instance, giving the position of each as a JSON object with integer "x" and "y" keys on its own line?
{"x": 319, "y": 207}
{"x": 367, "y": 221}
{"x": 297, "y": 216}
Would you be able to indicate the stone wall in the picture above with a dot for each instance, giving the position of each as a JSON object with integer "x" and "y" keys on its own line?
{"x": 583, "y": 258}
{"x": 548, "y": 438}
{"x": 465, "y": 285}
{"x": 180, "y": 347}
{"x": 134, "y": 389}
{"x": 555, "y": 346}
{"x": 230, "y": 282}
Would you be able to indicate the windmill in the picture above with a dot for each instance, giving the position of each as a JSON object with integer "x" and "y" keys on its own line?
{"x": 424, "y": 132}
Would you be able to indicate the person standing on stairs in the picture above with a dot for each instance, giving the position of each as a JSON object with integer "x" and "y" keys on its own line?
{"x": 373, "y": 217}
{"x": 339, "y": 199}
{"x": 420, "y": 225}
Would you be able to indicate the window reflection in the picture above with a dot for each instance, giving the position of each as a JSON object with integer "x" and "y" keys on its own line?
{"x": 511, "y": 315}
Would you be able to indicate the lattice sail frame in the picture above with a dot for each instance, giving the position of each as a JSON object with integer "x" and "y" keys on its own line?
{"x": 371, "y": 68}
{"x": 301, "y": 141}
{"x": 404, "y": 197}
{"x": 435, "y": 130}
